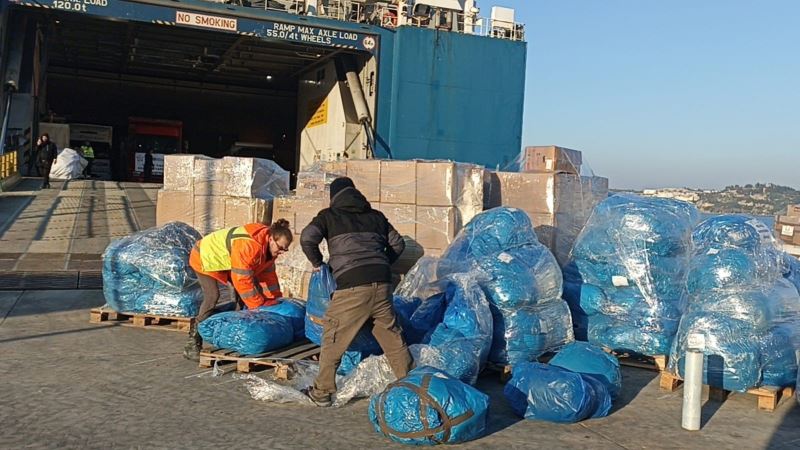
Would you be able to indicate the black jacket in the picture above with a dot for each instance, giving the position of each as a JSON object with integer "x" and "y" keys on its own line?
{"x": 48, "y": 152}
{"x": 361, "y": 242}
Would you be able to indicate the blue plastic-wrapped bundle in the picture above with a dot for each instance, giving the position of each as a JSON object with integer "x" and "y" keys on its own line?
{"x": 250, "y": 332}
{"x": 430, "y": 407}
{"x": 419, "y": 317}
{"x": 518, "y": 274}
{"x": 779, "y": 361}
{"x": 626, "y": 282}
{"x": 545, "y": 392}
{"x": 791, "y": 269}
{"x": 491, "y": 232}
{"x": 148, "y": 272}
{"x": 741, "y": 308}
{"x": 522, "y": 276}
{"x": 320, "y": 289}
{"x": 527, "y": 333}
{"x": 466, "y": 328}
{"x": 585, "y": 358}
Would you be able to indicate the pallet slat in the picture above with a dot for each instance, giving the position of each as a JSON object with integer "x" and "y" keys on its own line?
{"x": 147, "y": 321}
{"x": 768, "y": 397}
{"x": 281, "y": 359}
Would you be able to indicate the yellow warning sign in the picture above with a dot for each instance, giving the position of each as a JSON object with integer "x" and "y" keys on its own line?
{"x": 319, "y": 114}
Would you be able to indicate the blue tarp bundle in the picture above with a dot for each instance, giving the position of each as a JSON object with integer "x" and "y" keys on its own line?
{"x": 529, "y": 332}
{"x": 491, "y": 232}
{"x": 466, "y": 329}
{"x": 520, "y": 277}
{"x": 148, "y": 272}
{"x": 418, "y": 317}
{"x": 251, "y": 332}
{"x": 545, "y": 392}
{"x": 430, "y": 407}
{"x": 742, "y": 304}
{"x": 626, "y": 282}
{"x": 585, "y": 358}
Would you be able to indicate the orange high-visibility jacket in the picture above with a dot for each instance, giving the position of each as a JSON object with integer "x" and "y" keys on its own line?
{"x": 240, "y": 255}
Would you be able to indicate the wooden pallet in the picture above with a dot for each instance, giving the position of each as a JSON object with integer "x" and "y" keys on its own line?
{"x": 280, "y": 360}
{"x": 656, "y": 363}
{"x": 768, "y": 396}
{"x": 148, "y": 321}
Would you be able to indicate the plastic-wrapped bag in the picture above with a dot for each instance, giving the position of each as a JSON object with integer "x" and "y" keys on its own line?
{"x": 585, "y": 358}
{"x": 148, "y": 272}
{"x": 491, "y": 232}
{"x": 522, "y": 276}
{"x": 544, "y": 392}
{"x": 741, "y": 303}
{"x": 526, "y": 333}
{"x": 778, "y": 358}
{"x": 628, "y": 273}
{"x": 419, "y": 317}
{"x": 68, "y": 166}
{"x": 430, "y": 407}
{"x": 251, "y": 332}
{"x": 517, "y": 273}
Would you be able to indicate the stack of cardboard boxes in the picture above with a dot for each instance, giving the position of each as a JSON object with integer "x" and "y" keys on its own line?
{"x": 211, "y": 194}
{"x": 787, "y": 227}
{"x": 552, "y": 192}
{"x": 426, "y": 201}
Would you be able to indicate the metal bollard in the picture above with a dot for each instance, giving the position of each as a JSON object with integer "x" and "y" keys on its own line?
{"x": 692, "y": 390}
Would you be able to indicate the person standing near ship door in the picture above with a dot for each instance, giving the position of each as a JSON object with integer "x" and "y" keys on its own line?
{"x": 47, "y": 155}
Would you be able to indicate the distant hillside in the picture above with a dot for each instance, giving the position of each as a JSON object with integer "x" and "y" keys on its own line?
{"x": 757, "y": 199}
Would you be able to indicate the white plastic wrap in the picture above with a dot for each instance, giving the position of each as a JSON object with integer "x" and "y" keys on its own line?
{"x": 742, "y": 314}
{"x": 294, "y": 270}
{"x": 254, "y": 177}
{"x": 68, "y": 166}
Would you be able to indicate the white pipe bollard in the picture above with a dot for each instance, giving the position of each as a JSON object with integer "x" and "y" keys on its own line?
{"x": 692, "y": 390}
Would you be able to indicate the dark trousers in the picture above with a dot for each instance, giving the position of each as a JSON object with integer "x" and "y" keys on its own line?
{"x": 44, "y": 169}
{"x": 211, "y": 297}
{"x": 347, "y": 312}
{"x": 88, "y": 170}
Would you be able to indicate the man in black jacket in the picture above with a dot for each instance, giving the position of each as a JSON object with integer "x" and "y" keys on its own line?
{"x": 362, "y": 246}
{"x": 47, "y": 153}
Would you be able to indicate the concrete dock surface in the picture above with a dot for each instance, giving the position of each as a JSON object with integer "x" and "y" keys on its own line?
{"x": 71, "y": 384}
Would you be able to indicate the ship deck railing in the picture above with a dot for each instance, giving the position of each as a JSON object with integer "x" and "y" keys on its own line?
{"x": 387, "y": 16}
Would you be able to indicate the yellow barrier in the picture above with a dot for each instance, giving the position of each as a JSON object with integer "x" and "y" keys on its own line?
{"x": 8, "y": 165}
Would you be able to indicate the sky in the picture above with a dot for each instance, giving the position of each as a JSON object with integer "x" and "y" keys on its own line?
{"x": 670, "y": 93}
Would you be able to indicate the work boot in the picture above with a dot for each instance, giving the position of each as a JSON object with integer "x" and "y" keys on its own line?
{"x": 191, "y": 350}
{"x": 323, "y": 400}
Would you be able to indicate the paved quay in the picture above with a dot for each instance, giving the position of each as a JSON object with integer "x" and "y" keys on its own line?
{"x": 71, "y": 384}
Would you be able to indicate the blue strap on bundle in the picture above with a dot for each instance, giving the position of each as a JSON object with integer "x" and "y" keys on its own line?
{"x": 544, "y": 392}
{"x": 148, "y": 272}
{"x": 588, "y": 359}
{"x": 256, "y": 331}
{"x": 429, "y": 407}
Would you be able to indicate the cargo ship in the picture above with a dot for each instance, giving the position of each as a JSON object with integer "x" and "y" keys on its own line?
{"x": 295, "y": 81}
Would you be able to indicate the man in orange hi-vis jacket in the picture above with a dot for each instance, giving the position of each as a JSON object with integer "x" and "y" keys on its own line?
{"x": 244, "y": 257}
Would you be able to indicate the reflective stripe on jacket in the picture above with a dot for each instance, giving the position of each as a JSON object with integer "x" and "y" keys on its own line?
{"x": 240, "y": 255}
